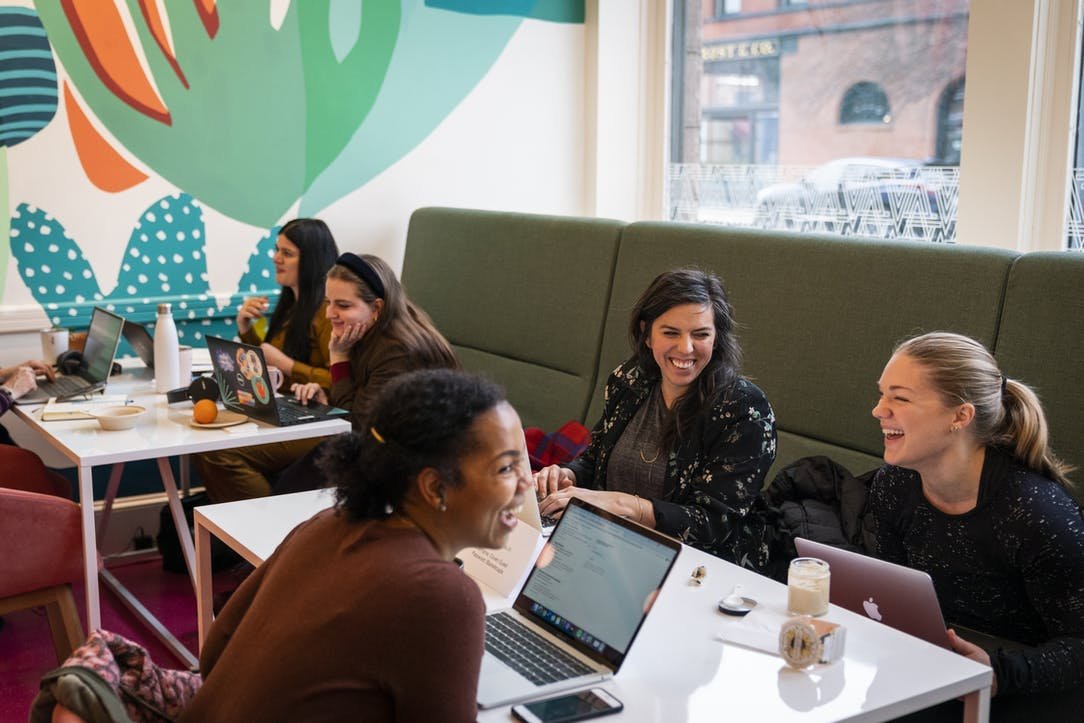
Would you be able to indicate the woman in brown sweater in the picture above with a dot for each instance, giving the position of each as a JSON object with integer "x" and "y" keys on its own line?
{"x": 361, "y": 613}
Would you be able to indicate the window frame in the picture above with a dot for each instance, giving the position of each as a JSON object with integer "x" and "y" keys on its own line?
{"x": 1023, "y": 63}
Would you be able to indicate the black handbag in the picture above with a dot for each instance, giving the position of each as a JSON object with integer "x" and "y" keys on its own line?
{"x": 169, "y": 546}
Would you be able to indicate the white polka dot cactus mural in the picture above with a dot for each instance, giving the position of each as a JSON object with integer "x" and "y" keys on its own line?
{"x": 165, "y": 261}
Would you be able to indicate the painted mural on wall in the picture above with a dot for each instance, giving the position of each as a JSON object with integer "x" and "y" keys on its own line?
{"x": 252, "y": 109}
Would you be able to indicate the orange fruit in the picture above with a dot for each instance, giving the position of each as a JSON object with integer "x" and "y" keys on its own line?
{"x": 205, "y": 411}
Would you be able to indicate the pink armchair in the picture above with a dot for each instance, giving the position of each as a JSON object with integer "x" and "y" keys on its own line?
{"x": 41, "y": 547}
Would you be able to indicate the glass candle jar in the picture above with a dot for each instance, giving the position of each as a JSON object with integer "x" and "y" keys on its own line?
{"x": 807, "y": 586}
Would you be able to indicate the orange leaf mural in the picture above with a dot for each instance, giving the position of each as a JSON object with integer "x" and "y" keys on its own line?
{"x": 158, "y": 30}
{"x": 100, "y": 33}
{"x": 208, "y": 14}
{"x": 105, "y": 168}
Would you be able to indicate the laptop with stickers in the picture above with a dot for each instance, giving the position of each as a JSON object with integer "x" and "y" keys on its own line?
{"x": 245, "y": 386}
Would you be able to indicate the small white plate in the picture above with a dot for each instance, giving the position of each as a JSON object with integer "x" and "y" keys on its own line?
{"x": 225, "y": 418}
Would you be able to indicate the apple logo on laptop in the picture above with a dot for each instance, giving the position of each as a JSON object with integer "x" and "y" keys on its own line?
{"x": 871, "y": 609}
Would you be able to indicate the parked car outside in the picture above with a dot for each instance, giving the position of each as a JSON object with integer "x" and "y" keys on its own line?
{"x": 868, "y": 196}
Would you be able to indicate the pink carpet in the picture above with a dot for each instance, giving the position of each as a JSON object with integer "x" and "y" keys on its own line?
{"x": 26, "y": 650}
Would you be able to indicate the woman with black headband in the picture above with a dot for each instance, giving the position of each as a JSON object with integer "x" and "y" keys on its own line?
{"x": 377, "y": 333}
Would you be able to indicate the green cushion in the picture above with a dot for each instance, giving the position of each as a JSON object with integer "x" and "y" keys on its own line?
{"x": 1041, "y": 342}
{"x": 521, "y": 297}
{"x": 818, "y": 316}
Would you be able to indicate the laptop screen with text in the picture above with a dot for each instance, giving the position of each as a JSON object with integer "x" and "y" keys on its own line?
{"x": 596, "y": 580}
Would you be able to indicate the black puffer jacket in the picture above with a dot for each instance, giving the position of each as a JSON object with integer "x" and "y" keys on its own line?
{"x": 819, "y": 499}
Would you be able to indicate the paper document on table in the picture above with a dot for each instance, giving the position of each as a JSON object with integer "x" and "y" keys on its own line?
{"x": 55, "y": 411}
{"x": 201, "y": 360}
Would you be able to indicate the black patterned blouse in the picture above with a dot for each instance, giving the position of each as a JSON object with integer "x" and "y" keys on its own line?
{"x": 1012, "y": 567}
{"x": 713, "y": 478}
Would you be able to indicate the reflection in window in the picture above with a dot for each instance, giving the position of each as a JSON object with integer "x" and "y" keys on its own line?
{"x": 727, "y": 7}
{"x": 950, "y": 124}
{"x": 865, "y": 102}
{"x": 777, "y": 121}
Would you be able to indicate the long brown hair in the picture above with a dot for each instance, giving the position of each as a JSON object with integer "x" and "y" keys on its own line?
{"x": 675, "y": 288}
{"x": 1007, "y": 412}
{"x": 399, "y": 319}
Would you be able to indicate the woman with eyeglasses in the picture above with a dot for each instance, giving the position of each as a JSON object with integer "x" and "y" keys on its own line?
{"x": 296, "y": 342}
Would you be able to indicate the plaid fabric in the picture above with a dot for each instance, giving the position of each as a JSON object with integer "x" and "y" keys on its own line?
{"x": 558, "y": 447}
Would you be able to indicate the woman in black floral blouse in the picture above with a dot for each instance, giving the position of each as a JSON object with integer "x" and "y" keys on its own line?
{"x": 684, "y": 441}
{"x": 972, "y": 494}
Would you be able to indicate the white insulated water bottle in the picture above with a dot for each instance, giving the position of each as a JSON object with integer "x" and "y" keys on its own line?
{"x": 167, "y": 354}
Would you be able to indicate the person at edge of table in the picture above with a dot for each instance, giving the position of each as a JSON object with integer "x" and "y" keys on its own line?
{"x": 21, "y": 465}
{"x": 377, "y": 334}
{"x": 684, "y": 441}
{"x": 441, "y": 467}
{"x": 972, "y": 494}
{"x": 362, "y": 612}
{"x": 296, "y": 342}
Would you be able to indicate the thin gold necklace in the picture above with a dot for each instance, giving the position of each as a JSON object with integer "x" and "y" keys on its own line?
{"x": 652, "y": 460}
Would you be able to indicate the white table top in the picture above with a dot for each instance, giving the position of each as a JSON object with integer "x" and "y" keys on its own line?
{"x": 163, "y": 431}
{"x": 680, "y": 668}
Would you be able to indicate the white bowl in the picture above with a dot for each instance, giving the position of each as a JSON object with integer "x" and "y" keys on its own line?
{"x": 119, "y": 417}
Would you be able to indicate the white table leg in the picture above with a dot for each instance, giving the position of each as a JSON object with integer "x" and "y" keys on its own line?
{"x": 204, "y": 597}
{"x": 977, "y": 706}
{"x": 183, "y": 533}
{"x": 90, "y": 549}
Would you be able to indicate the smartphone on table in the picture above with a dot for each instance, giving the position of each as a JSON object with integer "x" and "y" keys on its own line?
{"x": 567, "y": 708}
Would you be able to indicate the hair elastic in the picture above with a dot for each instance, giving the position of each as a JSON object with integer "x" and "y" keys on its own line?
{"x": 1004, "y": 383}
{"x": 364, "y": 269}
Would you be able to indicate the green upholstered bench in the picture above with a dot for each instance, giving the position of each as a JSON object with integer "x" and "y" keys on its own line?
{"x": 1041, "y": 342}
{"x": 817, "y": 317}
{"x": 541, "y": 304}
{"x": 520, "y": 297}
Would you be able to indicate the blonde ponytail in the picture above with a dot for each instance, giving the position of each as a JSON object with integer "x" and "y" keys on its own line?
{"x": 1007, "y": 412}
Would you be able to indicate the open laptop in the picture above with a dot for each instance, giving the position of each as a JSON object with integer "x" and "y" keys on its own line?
{"x": 103, "y": 337}
{"x": 898, "y": 596}
{"x": 575, "y": 619}
{"x": 141, "y": 341}
{"x": 244, "y": 386}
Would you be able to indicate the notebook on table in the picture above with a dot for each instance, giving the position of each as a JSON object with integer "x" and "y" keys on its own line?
{"x": 898, "y": 596}
{"x": 245, "y": 386}
{"x": 579, "y": 611}
{"x": 103, "y": 337}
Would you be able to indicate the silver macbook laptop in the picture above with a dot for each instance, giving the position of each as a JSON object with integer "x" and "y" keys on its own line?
{"x": 141, "y": 341}
{"x": 103, "y": 337}
{"x": 898, "y": 596}
{"x": 580, "y": 609}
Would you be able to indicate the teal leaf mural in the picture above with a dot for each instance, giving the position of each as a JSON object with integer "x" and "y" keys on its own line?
{"x": 165, "y": 261}
{"x": 242, "y": 119}
{"x": 250, "y": 119}
{"x": 27, "y": 76}
{"x": 560, "y": 11}
{"x": 28, "y": 96}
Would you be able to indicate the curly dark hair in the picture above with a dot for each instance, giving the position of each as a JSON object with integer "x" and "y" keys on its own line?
{"x": 318, "y": 252}
{"x": 674, "y": 288}
{"x": 420, "y": 419}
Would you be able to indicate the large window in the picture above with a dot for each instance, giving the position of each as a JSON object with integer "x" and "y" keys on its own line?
{"x": 838, "y": 117}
